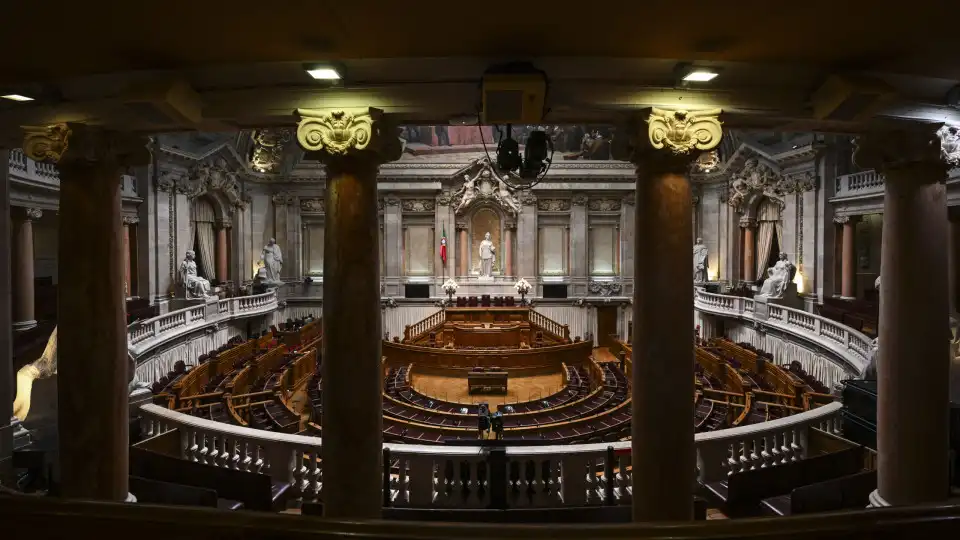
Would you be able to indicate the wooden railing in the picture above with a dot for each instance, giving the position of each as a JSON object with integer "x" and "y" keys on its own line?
{"x": 558, "y": 474}
{"x": 420, "y": 329}
{"x": 559, "y": 331}
{"x": 147, "y": 334}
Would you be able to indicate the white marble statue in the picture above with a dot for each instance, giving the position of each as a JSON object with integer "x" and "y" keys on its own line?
{"x": 778, "y": 279}
{"x": 699, "y": 262}
{"x": 505, "y": 197}
{"x": 272, "y": 261}
{"x": 41, "y": 368}
{"x": 467, "y": 192}
{"x": 487, "y": 254}
{"x": 194, "y": 285}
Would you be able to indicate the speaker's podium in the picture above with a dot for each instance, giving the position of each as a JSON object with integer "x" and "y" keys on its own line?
{"x": 487, "y": 381}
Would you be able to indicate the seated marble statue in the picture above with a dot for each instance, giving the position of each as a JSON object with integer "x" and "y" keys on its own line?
{"x": 41, "y": 368}
{"x": 779, "y": 277}
{"x": 194, "y": 285}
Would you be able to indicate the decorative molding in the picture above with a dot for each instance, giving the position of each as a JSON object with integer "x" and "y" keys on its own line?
{"x": 553, "y": 205}
{"x": 605, "y": 288}
{"x": 267, "y": 152}
{"x": 130, "y": 220}
{"x": 282, "y": 199}
{"x": 418, "y": 205}
{"x": 580, "y": 200}
{"x": 684, "y": 131}
{"x": 604, "y": 205}
{"x": 391, "y": 200}
{"x": 528, "y": 199}
{"x": 312, "y": 205}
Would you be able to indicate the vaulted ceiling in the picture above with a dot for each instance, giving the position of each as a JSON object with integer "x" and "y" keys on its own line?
{"x": 423, "y": 61}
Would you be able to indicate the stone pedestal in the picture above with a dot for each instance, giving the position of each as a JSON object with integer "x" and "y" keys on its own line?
{"x": 351, "y": 370}
{"x": 913, "y": 365}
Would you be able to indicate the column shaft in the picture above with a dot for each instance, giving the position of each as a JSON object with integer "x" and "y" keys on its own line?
{"x": 127, "y": 285}
{"x": 508, "y": 255}
{"x": 953, "y": 239}
{"x": 23, "y": 308}
{"x": 7, "y": 377}
{"x": 848, "y": 283}
{"x": 222, "y": 254}
{"x": 351, "y": 343}
{"x": 464, "y": 259}
{"x": 749, "y": 254}
{"x": 913, "y": 368}
{"x": 92, "y": 340}
{"x": 663, "y": 452}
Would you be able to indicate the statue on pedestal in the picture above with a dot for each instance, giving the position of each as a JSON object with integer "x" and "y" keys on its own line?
{"x": 272, "y": 261}
{"x": 779, "y": 277}
{"x": 487, "y": 251}
{"x": 193, "y": 285}
{"x": 699, "y": 262}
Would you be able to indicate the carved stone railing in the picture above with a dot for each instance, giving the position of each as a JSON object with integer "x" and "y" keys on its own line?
{"x": 147, "y": 334}
{"x": 561, "y": 331}
{"x": 846, "y": 344}
{"x": 419, "y": 329}
{"x": 25, "y": 169}
{"x": 549, "y": 475}
{"x": 861, "y": 183}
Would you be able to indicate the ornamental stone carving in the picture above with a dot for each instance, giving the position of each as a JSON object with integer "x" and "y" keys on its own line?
{"x": 950, "y": 144}
{"x": 528, "y": 199}
{"x": 46, "y": 143}
{"x": 32, "y": 214}
{"x": 207, "y": 177}
{"x": 604, "y": 288}
{"x": 707, "y": 161}
{"x": 748, "y": 222}
{"x": 130, "y": 220}
{"x": 167, "y": 182}
{"x": 282, "y": 199}
{"x": 267, "y": 151}
{"x": 553, "y": 205}
{"x": 483, "y": 183}
{"x": 391, "y": 200}
{"x": 684, "y": 131}
{"x": 311, "y": 205}
{"x": 336, "y": 133}
{"x": 579, "y": 199}
{"x": 418, "y": 205}
{"x": 630, "y": 199}
{"x": 604, "y": 205}
{"x": 756, "y": 179}
{"x": 444, "y": 198}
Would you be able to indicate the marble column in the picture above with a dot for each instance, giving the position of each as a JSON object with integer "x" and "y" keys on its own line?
{"x": 92, "y": 340}
{"x": 24, "y": 317}
{"x": 128, "y": 248}
{"x": 6, "y": 349}
{"x": 663, "y": 454}
{"x": 749, "y": 227}
{"x": 508, "y": 252}
{"x": 222, "y": 252}
{"x": 464, "y": 250}
{"x": 351, "y": 371}
{"x": 848, "y": 257}
{"x": 913, "y": 367}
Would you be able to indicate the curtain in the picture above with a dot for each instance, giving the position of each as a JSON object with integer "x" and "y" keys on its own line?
{"x": 202, "y": 218}
{"x": 764, "y": 243}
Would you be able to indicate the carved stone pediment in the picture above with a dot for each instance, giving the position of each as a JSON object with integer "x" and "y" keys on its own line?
{"x": 482, "y": 183}
{"x": 754, "y": 180}
{"x": 208, "y": 177}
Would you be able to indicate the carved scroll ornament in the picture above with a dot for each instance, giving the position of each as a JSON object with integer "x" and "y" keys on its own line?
{"x": 684, "y": 131}
{"x": 46, "y": 143}
{"x": 337, "y": 132}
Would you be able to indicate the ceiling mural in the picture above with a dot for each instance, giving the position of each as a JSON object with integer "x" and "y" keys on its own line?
{"x": 570, "y": 142}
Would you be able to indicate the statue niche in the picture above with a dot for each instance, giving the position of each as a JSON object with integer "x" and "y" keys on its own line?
{"x": 485, "y": 222}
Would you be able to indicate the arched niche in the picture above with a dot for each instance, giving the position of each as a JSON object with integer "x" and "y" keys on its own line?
{"x": 486, "y": 218}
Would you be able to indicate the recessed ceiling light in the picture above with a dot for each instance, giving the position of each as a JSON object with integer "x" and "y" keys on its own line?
{"x": 700, "y": 75}
{"x": 17, "y": 97}
{"x": 323, "y": 72}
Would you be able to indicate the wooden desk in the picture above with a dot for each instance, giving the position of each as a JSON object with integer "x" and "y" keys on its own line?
{"x": 487, "y": 382}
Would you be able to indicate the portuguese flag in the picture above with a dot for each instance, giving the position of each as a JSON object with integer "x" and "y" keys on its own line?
{"x": 443, "y": 244}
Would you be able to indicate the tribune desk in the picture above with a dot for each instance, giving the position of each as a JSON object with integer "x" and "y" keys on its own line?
{"x": 487, "y": 382}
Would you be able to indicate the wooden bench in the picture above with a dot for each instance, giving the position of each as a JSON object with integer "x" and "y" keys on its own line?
{"x": 157, "y": 492}
{"x": 846, "y": 492}
{"x": 741, "y": 494}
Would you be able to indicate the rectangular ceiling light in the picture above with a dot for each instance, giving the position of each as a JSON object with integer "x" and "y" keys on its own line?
{"x": 700, "y": 75}
{"x": 324, "y": 73}
{"x": 17, "y": 97}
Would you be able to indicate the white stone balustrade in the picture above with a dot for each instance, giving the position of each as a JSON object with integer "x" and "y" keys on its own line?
{"x": 460, "y": 476}
{"x": 147, "y": 334}
{"x": 847, "y": 345}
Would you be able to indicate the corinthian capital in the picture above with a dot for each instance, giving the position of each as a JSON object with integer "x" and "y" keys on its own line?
{"x": 914, "y": 148}
{"x": 64, "y": 143}
{"x": 333, "y": 134}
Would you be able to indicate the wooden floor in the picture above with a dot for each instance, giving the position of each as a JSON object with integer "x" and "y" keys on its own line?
{"x": 518, "y": 388}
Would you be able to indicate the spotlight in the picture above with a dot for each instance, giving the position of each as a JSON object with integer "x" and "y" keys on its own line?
{"x": 535, "y": 155}
{"x": 508, "y": 154}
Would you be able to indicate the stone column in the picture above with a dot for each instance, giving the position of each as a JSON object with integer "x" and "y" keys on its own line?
{"x": 953, "y": 243}
{"x": 464, "y": 250}
{"x": 913, "y": 367}
{"x": 24, "y": 317}
{"x": 352, "y": 447}
{"x": 749, "y": 227}
{"x": 92, "y": 338}
{"x": 508, "y": 255}
{"x": 221, "y": 250}
{"x": 848, "y": 259}
{"x": 579, "y": 265}
{"x": 7, "y": 377}
{"x": 128, "y": 247}
{"x": 663, "y": 454}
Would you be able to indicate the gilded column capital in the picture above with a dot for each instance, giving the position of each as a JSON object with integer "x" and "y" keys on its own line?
{"x": 336, "y": 135}
{"x": 669, "y": 140}
{"x": 920, "y": 153}
{"x": 65, "y": 144}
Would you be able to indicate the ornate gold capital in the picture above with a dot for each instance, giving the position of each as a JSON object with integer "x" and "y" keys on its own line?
{"x": 46, "y": 143}
{"x": 914, "y": 149}
{"x": 684, "y": 131}
{"x": 336, "y": 133}
{"x": 60, "y": 143}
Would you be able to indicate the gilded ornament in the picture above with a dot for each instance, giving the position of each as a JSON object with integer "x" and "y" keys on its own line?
{"x": 46, "y": 143}
{"x": 684, "y": 131}
{"x": 267, "y": 151}
{"x": 336, "y": 132}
